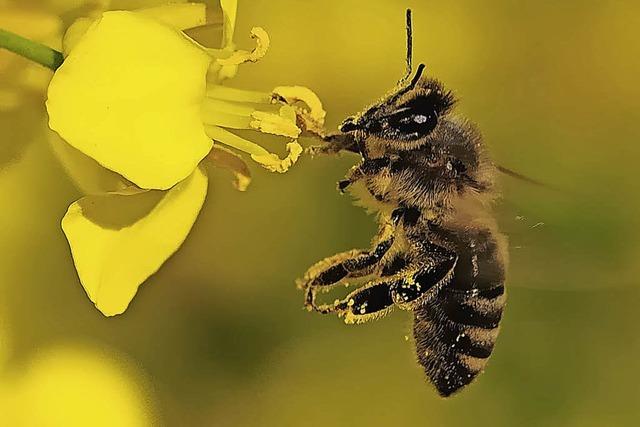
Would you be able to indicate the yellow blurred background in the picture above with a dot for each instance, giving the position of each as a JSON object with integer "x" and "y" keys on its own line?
{"x": 218, "y": 336}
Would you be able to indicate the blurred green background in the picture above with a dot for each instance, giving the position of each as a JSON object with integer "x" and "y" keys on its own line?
{"x": 218, "y": 336}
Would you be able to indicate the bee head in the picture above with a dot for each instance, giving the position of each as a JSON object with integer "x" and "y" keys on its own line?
{"x": 407, "y": 115}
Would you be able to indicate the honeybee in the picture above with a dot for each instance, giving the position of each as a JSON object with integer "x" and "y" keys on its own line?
{"x": 438, "y": 254}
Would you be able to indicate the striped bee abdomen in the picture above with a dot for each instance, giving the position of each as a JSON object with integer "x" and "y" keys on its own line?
{"x": 455, "y": 331}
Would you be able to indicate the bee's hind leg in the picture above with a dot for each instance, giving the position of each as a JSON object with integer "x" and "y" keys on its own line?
{"x": 404, "y": 289}
{"x": 370, "y": 301}
{"x": 330, "y": 271}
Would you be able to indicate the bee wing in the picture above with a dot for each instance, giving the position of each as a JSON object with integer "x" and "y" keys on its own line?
{"x": 455, "y": 331}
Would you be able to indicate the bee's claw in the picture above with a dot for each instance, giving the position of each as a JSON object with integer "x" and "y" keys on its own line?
{"x": 343, "y": 185}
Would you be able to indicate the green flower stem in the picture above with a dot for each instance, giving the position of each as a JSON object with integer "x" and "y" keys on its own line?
{"x": 34, "y": 51}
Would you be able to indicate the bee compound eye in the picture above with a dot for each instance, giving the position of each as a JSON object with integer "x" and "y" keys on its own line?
{"x": 413, "y": 123}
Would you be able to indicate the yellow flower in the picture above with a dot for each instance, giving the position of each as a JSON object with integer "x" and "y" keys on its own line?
{"x": 75, "y": 386}
{"x": 128, "y": 95}
{"x": 142, "y": 99}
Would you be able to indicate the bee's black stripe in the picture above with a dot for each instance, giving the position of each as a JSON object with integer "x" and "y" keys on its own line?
{"x": 470, "y": 315}
{"x": 491, "y": 293}
{"x": 460, "y": 341}
{"x": 474, "y": 308}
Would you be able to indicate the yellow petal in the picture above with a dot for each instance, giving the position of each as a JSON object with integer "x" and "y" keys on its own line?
{"x": 129, "y": 95}
{"x": 118, "y": 241}
{"x": 86, "y": 173}
{"x": 178, "y": 16}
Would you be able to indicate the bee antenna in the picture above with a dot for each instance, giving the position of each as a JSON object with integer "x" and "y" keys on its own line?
{"x": 410, "y": 56}
{"x": 409, "y": 45}
{"x": 415, "y": 78}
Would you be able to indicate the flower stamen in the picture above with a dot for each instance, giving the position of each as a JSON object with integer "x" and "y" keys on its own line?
{"x": 312, "y": 118}
{"x": 241, "y": 56}
{"x": 260, "y": 155}
{"x": 283, "y": 124}
{"x": 216, "y": 106}
{"x": 232, "y": 140}
{"x": 225, "y": 93}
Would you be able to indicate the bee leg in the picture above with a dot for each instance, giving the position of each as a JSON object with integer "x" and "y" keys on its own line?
{"x": 370, "y": 301}
{"x": 354, "y": 175}
{"x": 347, "y": 264}
{"x": 367, "y": 167}
{"x": 435, "y": 271}
{"x": 377, "y": 297}
{"x": 407, "y": 215}
{"x": 418, "y": 284}
{"x": 332, "y": 270}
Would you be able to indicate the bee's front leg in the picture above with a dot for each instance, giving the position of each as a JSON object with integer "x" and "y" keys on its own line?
{"x": 367, "y": 167}
{"x": 354, "y": 175}
{"x": 407, "y": 215}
